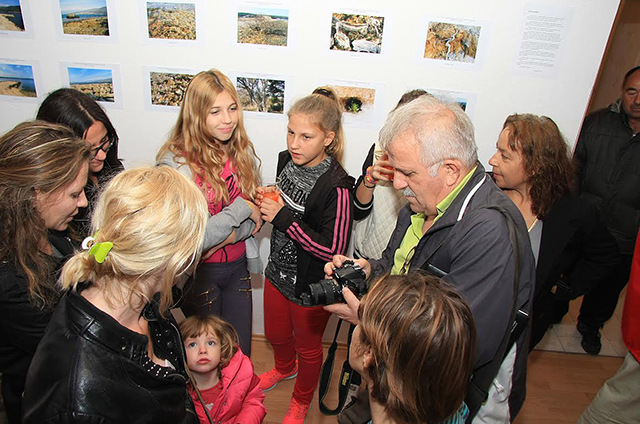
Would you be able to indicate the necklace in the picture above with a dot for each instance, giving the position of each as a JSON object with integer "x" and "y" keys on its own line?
{"x": 533, "y": 224}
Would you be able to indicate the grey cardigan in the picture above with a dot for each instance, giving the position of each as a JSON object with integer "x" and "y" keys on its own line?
{"x": 233, "y": 217}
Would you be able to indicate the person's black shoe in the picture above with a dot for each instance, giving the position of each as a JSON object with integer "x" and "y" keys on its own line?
{"x": 590, "y": 338}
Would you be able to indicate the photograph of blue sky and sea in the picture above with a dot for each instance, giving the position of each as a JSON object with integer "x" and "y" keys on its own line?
{"x": 84, "y": 17}
{"x": 97, "y": 83}
{"x": 17, "y": 80}
{"x": 11, "y": 16}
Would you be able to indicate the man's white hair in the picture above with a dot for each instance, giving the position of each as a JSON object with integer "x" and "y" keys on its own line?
{"x": 441, "y": 129}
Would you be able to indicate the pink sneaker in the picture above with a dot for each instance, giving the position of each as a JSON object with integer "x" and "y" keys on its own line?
{"x": 271, "y": 378}
{"x": 297, "y": 412}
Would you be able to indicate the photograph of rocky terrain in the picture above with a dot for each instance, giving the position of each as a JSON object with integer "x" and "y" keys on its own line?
{"x": 355, "y": 100}
{"x": 97, "y": 83}
{"x": 261, "y": 26}
{"x": 173, "y": 21}
{"x": 17, "y": 80}
{"x": 11, "y": 16}
{"x": 167, "y": 89}
{"x": 84, "y": 17}
{"x": 356, "y": 33}
{"x": 261, "y": 94}
{"x": 452, "y": 42}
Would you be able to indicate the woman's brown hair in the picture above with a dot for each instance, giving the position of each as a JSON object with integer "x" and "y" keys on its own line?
{"x": 192, "y": 143}
{"x": 196, "y": 326}
{"x": 546, "y": 158}
{"x": 35, "y": 157}
{"x": 421, "y": 336}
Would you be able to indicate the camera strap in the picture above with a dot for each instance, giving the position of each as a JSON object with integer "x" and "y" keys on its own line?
{"x": 347, "y": 376}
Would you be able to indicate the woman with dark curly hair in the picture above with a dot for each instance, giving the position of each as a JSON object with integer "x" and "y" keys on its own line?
{"x": 572, "y": 247}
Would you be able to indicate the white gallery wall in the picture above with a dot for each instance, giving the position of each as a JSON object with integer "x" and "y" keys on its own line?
{"x": 494, "y": 85}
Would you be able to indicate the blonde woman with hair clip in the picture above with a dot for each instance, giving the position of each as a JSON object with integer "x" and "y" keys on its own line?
{"x": 112, "y": 351}
{"x": 43, "y": 169}
{"x": 415, "y": 319}
{"x": 210, "y": 146}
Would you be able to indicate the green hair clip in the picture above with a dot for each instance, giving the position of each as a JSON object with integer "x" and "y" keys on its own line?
{"x": 100, "y": 250}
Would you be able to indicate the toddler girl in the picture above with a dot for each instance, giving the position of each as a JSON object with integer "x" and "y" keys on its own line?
{"x": 224, "y": 376}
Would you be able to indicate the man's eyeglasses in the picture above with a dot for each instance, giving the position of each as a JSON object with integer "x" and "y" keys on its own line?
{"x": 105, "y": 146}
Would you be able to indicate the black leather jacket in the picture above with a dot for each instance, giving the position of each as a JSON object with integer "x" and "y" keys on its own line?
{"x": 88, "y": 368}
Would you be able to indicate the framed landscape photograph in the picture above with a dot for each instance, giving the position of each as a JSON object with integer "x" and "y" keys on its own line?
{"x": 84, "y": 17}
{"x": 97, "y": 83}
{"x": 171, "y": 20}
{"x": 11, "y": 16}
{"x": 262, "y": 95}
{"x": 100, "y": 81}
{"x": 359, "y": 100}
{"x": 453, "y": 42}
{"x": 17, "y": 80}
{"x": 168, "y": 88}
{"x": 263, "y": 26}
{"x": 356, "y": 33}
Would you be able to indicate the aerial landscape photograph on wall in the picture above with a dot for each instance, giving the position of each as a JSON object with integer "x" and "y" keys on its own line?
{"x": 168, "y": 88}
{"x": 356, "y": 33}
{"x": 173, "y": 21}
{"x": 11, "y": 16}
{"x": 17, "y": 80}
{"x": 263, "y": 26}
{"x": 84, "y": 17}
{"x": 452, "y": 42}
{"x": 261, "y": 94}
{"x": 97, "y": 83}
{"x": 355, "y": 100}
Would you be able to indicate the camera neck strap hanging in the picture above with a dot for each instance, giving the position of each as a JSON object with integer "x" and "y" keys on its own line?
{"x": 347, "y": 376}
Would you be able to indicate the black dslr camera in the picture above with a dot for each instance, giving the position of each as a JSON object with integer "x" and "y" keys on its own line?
{"x": 326, "y": 292}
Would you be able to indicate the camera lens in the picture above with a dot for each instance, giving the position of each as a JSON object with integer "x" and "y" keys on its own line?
{"x": 325, "y": 292}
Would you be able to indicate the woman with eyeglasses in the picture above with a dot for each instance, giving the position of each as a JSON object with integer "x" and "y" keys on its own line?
{"x": 88, "y": 121}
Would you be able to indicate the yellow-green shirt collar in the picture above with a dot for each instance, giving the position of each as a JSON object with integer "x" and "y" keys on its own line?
{"x": 446, "y": 202}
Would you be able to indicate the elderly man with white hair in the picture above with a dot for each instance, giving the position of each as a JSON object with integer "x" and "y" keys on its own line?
{"x": 459, "y": 224}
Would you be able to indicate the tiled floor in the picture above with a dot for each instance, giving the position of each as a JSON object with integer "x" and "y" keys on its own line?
{"x": 564, "y": 337}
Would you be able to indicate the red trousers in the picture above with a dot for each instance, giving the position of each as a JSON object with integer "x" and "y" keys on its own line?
{"x": 294, "y": 331}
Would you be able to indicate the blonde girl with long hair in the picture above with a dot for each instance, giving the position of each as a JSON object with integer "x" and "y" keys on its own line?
{"x": 312, "y": 221}
{"x": 210, "y": 145}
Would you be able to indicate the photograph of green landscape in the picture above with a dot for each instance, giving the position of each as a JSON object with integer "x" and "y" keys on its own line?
{"x": 97, "y": 83}
{"x": 167, "y": 88}
{"x": 356, "y": 33}
{"x": 263, "y": 26}
{"x": 11, "y": 16}
{"x": 84, "y": 17}
{"x": 17, "y": 80}
{"x": 173, "y": 21}
{"x": 261, "y": 94}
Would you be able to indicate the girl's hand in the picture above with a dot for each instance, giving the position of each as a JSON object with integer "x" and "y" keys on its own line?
{"x": 267, "y": 192}
{"x": 270, "y": 208}
{"x": 382, "y": 169}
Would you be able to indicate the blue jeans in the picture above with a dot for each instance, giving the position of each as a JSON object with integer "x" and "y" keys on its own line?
{"x": 224, "y": 290}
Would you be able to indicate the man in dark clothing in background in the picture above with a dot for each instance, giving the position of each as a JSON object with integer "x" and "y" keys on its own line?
{"x": 608, "y": 162}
